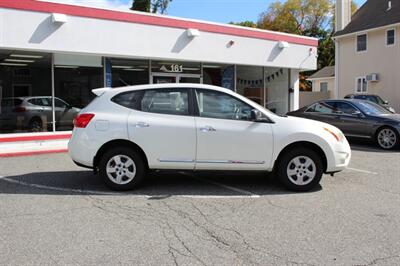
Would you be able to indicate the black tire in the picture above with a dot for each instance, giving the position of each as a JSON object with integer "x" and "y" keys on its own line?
{"x": 289, "y": 181}
{"x": 35, "y": 125}
{"x": 385, "y": 144}
{"x": 124, "y": 153}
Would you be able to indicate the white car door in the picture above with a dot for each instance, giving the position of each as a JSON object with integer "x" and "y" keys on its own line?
{"x": 226, "y": 136}
{"x": 164, "y": 127}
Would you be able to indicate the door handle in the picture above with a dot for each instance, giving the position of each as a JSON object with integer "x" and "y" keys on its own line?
{"x": 141, "y": 124}
{"x": 207, "y": 129}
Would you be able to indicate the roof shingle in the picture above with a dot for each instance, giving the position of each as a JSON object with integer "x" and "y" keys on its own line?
{"x": 373, "y": 14}
{"x": 326, "y": 72}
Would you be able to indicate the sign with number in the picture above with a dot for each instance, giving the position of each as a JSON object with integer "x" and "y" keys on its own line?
{"x": 172, "y": 69}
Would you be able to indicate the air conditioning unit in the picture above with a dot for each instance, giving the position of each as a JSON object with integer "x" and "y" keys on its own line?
{"x": 372, "y": 77}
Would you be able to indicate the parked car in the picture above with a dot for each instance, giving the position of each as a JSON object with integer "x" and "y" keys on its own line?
{"x": 372, "y": 98}
{"x": 356, "y": 118}
{"x": 127, "y": 131}
{"x": 35, "y": 113}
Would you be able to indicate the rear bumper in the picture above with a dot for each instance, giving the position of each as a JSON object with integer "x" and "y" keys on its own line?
{"x": 81, "y": 148}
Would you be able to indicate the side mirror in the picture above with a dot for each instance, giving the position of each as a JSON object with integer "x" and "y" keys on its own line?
{"x": 385, "y": 102}
{"x": 258, "y": 116}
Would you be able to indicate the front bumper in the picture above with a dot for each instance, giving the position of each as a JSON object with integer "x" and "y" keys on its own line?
{"x": 341, "y": 157}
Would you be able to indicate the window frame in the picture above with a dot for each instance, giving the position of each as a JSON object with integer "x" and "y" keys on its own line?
{"x": 394, "y": 37}
{"x": 324, "y": 83}
{"x": 197, "y": 108}
{"x": 366, "y": 84}
{"x": 366, "y": 43}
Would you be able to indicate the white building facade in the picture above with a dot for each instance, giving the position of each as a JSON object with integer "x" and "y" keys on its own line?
{"x": 52, "y": 55}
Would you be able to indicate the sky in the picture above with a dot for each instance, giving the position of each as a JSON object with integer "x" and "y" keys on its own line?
{"x": 222, "y": 11}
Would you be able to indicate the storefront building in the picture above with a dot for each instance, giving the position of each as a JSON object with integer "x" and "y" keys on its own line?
{"x": 52, "y": 55}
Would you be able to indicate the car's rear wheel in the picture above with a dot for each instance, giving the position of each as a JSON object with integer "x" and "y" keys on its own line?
{"x": 300, "y": 169}
{"x": 122, "y": 169}
{"x": 387, "y": 138}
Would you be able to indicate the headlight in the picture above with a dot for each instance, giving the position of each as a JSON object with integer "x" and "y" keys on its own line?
{"x": 338, "y": 135}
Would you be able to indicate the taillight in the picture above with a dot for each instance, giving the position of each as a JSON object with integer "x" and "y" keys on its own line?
{"x": 19, "y": 109}
{"x": 83, "y": 120}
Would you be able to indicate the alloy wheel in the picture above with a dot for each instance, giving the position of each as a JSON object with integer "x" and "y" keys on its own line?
{"x": 301, "y": 170}
{"x": 121, "y": 169}
{"x": 387, "y": 138}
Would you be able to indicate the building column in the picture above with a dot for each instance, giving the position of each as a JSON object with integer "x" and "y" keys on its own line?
{"x": 294, "y": 85}
{"x": 337, "y": 64}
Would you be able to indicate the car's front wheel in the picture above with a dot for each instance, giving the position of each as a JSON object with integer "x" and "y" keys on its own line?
{"x": 300, "y": 169}
{"x": 122, "y": 169}
{"x": 387, "y": 138}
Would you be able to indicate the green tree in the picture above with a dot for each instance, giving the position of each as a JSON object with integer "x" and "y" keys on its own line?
{"x": 153, "y": 6}
{"x": 141, "y": 5}
{"x": 303, "y": 17}
{"x": 246, "y": 23}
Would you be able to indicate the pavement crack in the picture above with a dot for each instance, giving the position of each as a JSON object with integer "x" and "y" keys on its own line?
{"x": 379, "y": 259}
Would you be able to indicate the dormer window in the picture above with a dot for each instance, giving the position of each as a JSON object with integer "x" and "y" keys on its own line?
{"x": 362, "y": 43}
{"x": 390, "y": 37}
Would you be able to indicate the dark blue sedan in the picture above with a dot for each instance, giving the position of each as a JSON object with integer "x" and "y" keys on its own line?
{"x": 356, "y": 118}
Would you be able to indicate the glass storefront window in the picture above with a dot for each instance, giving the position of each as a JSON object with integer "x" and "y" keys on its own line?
{"x": 128, "y": 72}
{"x": 73, "y": 91}
{"x": 277, "y": 90}
{"x": 249, "y": 83}
{"x": 25, "y": 92}
{"x": 219, "y": 75}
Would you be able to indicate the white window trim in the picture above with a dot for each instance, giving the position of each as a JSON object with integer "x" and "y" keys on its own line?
{"x": 386, "y": 37}
{"x": 366, "y": 82}
{"x": 366, "y": 43}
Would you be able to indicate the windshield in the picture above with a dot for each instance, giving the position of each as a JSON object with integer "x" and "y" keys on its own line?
{"x": 370, "y": 108}
{"x": 371, "y": 98}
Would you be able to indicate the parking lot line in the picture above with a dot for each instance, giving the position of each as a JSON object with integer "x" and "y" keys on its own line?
{"x": 361, "y": 171}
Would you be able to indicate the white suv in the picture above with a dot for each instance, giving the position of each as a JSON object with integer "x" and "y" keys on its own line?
{"x": 128, "y": 131}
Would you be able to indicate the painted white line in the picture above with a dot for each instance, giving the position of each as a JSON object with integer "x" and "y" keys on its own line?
{"x": 81, "y": 191}
{"x": 241, "y": 191}
{"x": 361, "y": 171}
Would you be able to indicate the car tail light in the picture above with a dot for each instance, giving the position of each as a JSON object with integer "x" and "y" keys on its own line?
{"x": 19, "y": 109}
{"x": 83, "y": 120}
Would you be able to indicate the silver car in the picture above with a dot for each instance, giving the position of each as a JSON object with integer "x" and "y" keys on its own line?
{"x": 34, "y": 114}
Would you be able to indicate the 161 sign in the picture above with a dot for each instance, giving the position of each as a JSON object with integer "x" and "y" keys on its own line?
{"x": 172, "y": 68}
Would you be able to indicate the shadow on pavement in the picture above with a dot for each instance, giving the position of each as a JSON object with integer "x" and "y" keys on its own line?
{"x": 157, "y": 185}
{"x": 368, "y": 146}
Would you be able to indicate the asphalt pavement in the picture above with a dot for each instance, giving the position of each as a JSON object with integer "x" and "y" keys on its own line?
{"x": 55, "y": 213}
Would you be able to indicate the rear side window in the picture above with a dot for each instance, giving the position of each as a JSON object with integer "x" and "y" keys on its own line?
{"x": 128, "y": 99}
{"x": 169, "y": 101}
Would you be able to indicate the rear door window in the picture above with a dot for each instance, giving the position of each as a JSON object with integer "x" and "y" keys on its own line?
{"x": 166, "y": 101}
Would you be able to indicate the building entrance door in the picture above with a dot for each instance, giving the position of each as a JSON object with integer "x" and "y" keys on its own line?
{"x": 160, "y": 78}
